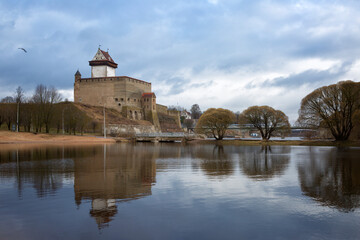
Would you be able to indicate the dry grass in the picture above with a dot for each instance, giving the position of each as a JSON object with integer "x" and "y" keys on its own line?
{"x": 24, "y": 137}
{"x": 112, "y": 116}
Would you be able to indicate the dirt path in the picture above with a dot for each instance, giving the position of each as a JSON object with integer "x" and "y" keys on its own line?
{"x": 22, "y": 137}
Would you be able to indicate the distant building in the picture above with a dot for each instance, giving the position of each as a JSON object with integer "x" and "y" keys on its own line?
{"x": 185, "y": 114}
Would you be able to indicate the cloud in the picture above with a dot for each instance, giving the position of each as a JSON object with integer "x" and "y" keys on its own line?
{"x": 311, "y": 76}
{"x": 228, "y": 53}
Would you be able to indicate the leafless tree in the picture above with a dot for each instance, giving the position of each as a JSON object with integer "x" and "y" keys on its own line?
{"x": 26, "y": 116}
{"x": 188, "y": 123}
{"x": 8, "y": 99}
{"x": 266, "y": 119}
{"x": 8, "y": 113}
{"x": 332, "y": 107}
{"x": 19, "y": 96}
{"x": 177, "y": 108}
{"x": 94, "y": 124}
{"x": 195, "y": 111}
{"x": 45, "y": 98}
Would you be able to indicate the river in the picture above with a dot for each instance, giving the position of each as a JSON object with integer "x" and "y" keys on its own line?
{"x": 175, "y": 191}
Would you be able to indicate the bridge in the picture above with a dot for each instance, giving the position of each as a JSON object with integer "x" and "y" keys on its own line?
{"x": 246, "y": 130}
{"x": 243, "y": 131}
{"x": 163, "y": 137}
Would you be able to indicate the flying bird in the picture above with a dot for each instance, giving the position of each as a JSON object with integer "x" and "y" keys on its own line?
{"x": 23, "y": 49}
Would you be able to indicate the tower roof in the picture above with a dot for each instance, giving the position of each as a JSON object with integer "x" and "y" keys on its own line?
{"x": 77, "y": 73}
{"x": 102, "y": 58}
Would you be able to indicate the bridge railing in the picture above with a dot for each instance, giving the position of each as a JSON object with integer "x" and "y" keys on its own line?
{"x": 164, "y": 135}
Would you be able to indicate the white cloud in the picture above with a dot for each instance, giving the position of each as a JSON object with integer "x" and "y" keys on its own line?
{"x": 67, "y": 94}
{"x": 231, "y": 55}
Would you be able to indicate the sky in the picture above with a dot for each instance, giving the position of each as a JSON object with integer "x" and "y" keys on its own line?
{"x": 216, "y": 53}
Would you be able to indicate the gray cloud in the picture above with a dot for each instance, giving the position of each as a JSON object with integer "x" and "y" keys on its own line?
{"x": 314, "y": 77}
{"x": 158, "y": 40}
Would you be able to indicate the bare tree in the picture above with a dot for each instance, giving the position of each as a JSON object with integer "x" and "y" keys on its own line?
{"x": 188, "y": 123}
{"x": 8, "y": 113}
{"x": 1, "y": 115}
{"x": 237, "y": 116}
{"x": 94, "y": 124}
{"x": 177, "y": 108}
{"x": 8, "y": 99}
{"x": 19, "y": 96}
{"x": 332, "y": 107}
{"x": 26, "y": 116}
{"x": 45, "y": 98}
{"x": 266, "y": 119}
{"x": 195, "y": 111}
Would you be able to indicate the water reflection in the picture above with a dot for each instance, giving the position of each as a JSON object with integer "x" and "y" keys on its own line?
{"x": 38, "y": 166}
{"x": 331, "y": 176}
{"x": 122, "y": 174}
{"x": 215, "y": 161}
{"x": 265, "y": 162}
{"x": 169, "y": 189}
{"x": 104, "y": 175}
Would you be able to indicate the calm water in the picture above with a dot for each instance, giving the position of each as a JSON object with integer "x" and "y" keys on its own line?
{"x": 170, "y": 191}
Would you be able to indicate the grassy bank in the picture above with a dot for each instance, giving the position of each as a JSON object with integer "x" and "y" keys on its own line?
{"x": 25, "y": 137}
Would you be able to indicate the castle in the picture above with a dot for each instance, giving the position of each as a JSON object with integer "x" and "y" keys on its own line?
{"x": 130, "y": 96}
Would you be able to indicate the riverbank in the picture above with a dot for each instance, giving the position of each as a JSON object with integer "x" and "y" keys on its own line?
{"x": 7, "y": 137}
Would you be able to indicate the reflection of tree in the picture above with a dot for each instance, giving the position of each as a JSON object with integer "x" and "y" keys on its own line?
{"x": 44, "y": 167}
{"x": 264, "y": 163}
{"x": 332, "y": 178}
{"x": 216, "y": 163}
{"x": 116, "y": 173}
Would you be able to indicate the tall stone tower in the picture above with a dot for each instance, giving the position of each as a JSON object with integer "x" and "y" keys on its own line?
{"x": 102, "y": 65}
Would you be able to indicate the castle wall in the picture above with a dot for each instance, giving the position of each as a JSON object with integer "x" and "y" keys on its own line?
{"x": 114, "y": 92}
{"x": 133, "y": 91}
{"x": 161, "y": 108}
{"x": 129, "y": 130}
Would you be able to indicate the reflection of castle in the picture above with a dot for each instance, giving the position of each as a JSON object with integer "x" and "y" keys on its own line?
{"x": 106, "y": 178}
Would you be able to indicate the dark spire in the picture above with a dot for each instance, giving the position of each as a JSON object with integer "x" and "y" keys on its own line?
{"x": 77, "y": 73}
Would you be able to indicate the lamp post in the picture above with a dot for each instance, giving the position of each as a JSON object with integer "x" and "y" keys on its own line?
{"x": 17, "y": 117}
{"x": 63, "y": 130}
{"x": 104, "y": 123}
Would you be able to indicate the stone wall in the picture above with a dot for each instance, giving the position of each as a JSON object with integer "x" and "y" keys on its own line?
{"x": 168, "y": 123}
{"x": 161, "y": 108}
{"x": 113, "y": 92}
{"x": 121, "y": 130}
